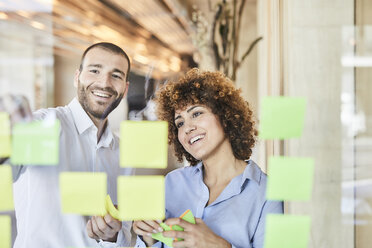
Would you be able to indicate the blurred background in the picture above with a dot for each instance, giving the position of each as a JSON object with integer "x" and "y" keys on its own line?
{"x": 319, "y": 49}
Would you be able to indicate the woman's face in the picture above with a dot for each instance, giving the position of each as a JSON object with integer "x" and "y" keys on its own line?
{"x": 200, "y": 131}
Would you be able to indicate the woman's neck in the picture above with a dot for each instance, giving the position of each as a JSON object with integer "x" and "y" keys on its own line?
{"x": 222, "y": 167}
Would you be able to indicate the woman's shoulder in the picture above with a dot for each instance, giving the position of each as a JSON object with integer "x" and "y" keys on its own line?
{"x": 183, "y": 171}
{"x": 253, "y": 171}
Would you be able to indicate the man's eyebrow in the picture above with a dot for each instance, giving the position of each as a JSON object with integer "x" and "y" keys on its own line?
{"x": 100, "y": 66}
{"x": 177, "y": 117}
{"x": 95, "y": 65}
{"x": 121, "y": 72}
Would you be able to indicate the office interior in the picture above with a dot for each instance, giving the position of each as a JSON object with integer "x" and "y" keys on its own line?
{"x": 320, "y": 50}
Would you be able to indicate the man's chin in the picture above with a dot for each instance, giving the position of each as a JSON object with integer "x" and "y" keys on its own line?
{"x": 98, "y": 110}
{"x": 97, "y": 114}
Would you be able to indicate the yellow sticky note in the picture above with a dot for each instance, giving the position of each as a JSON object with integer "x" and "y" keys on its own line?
{"x": 144, "y": 144}
{"x": 284, "y": 231}
{"x": 141, "y": 197}
{"x": 36, "y": 143}
{"x": 5, "y": 231}
{"x": 83, "y": 193}
{"x": 290, "y": 178}
{"x": 282, "y": 117}
{"x": 6, "y": 188}
{"x": 111, "y": 209}
{"x": 5, "y": 145}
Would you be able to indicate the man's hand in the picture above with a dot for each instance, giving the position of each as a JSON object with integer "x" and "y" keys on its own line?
{"x": 105, "y": 228}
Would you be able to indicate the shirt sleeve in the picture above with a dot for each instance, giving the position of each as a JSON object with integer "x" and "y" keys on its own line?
{"x": 41, "y": 114}
{"x": 270, "y": 207}
{"x": 140, "y": 243}
{"x": 124, "y": 237}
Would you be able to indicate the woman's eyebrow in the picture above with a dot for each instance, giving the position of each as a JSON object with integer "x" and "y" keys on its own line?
{"x": 192, "y": 108}
{"x": 188, "y": 111}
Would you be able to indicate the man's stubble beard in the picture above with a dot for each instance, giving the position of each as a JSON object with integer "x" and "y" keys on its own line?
{"x": 83, "y": 99}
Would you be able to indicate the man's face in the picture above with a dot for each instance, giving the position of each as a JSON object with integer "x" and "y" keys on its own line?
{"x": 101, "y": 82}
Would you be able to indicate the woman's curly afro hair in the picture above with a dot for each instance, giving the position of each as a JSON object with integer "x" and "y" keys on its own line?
{"x": 217, "y": 92}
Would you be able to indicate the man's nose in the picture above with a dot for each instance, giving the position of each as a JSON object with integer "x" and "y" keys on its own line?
{"x": 105, "y": 79}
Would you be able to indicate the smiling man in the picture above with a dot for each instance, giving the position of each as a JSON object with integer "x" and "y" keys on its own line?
{"x": 102, "y": 81}
{"x": 86, "y": 145}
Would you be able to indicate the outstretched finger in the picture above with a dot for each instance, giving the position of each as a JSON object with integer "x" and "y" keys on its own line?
{"x": 178, "y": 221}
{"x": 142, "y": 228}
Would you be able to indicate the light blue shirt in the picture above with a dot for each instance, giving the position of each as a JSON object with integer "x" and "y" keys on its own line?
{"x": 237, "y": 215}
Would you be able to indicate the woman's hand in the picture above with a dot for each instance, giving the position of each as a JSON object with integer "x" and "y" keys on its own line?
{"x": 196, "y": 235}
{"x": 146, "y": 228}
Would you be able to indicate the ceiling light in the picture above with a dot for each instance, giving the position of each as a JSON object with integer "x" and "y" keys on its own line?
{"x": 141, "y": 59}
{"x": 3, "y": 16}
{"x": 37, "y": 25}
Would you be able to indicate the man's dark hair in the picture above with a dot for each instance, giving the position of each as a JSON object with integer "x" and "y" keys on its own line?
{"x": 110, "y": 47}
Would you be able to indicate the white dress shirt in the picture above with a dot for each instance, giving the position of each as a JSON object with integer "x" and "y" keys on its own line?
{"x": 40, "y": 221}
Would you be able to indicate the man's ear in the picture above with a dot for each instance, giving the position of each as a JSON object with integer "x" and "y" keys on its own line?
{"x": 76, "y": 78}
{"x": 126, "y": 89}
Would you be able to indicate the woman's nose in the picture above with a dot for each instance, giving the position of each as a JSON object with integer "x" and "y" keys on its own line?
{"x": 190, "y": 128}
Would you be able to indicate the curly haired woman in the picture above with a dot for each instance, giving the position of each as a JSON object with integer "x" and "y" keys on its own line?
{"x": 211, "y": 125}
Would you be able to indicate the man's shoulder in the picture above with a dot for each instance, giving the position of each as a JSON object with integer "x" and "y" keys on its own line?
{"x": 62, "y": 113}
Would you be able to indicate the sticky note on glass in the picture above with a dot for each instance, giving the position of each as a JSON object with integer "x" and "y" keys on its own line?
{"x": 161, "y": 238}
{"x": 36, "y": 143}
{"x": 5, "y": 145}
{"x": 144, "y": 144}
{"x": 141, "y": 197}
{"x": 6, "y": 189}
{"x": 111, "y": 209}
{"x": 187, "y": 216}
{"x": 290, "y": 178}
{"x": 83, "y": 193}
{"x": 282, "y": 117}
{"x": 5, "y": 231}
{"x": 284, "y": 231}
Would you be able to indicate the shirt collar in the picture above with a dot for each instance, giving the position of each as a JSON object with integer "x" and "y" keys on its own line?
{"x": 81, "y": 119}
{"x": 251, "y": 171}
{"x": 83, "y": 122}
{"x": 198, "y": 167}
{"x": 107, "y": 137}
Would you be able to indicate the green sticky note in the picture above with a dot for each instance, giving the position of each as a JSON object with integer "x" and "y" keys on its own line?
{"x": 36, "y": 143}
{"x": 5, "y": 145}
{"x": 282, "y": 117}
{"x": 5, "y": 231}
{"x": 144, "y": 144}
{"x": 141, "y": 197}
{"x": 187, "y": 216}
{"x": 83, "y": 193}
{"x": 284, "y": 231}
{"x": 6, "y": 188}
{"x": 161, "y": 238}
{"x": 290, "y": 178}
